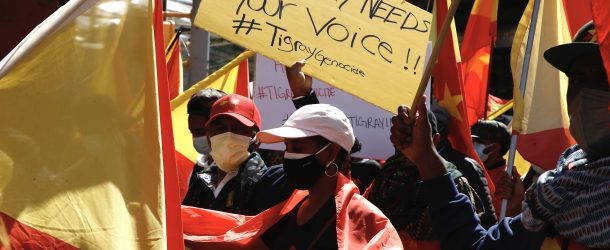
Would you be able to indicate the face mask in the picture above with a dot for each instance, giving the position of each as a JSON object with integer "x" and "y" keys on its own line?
{"x": 201, "y": 145}
{"x": 303, "y": 170}
{"x": 590, "y": 121}
{"x": 480, "y": 149}
{"x": 229, "y": 150}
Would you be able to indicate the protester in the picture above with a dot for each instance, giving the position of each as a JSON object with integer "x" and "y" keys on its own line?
{"x": 491, "y": 140}
{"x": 198, "y": 110}
{"x": 570, "y": 200}
{"x": 303, "y": 94}
{"x": 318, "y": 139}
{"x": 397, "y": 192}
{"x": 469, "y": 168}
{"x": 363, "y": 172}
{"x": 237, "y": 181}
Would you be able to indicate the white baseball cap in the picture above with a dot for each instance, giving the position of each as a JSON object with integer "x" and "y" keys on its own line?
{"x": 311, "y": 120}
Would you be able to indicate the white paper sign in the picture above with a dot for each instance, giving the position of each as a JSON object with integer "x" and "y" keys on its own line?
{"x": 273, "y": 98}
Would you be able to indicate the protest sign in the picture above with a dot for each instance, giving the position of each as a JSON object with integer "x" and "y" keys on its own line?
{"x": 273, "y": 98}
{"x": 372, "y": 49}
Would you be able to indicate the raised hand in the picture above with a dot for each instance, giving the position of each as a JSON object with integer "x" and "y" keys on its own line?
{"x": 413, "y": 137}
{"x": 299, "y": 82}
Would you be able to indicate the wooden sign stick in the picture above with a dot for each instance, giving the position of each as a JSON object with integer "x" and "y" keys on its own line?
{"x": 435, "y": 52}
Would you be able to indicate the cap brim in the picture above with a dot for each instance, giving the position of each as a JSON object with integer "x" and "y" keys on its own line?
{"x": 275, "y": 135}
{"x": 243, "y": 120}
{"x": 562, "y": 56}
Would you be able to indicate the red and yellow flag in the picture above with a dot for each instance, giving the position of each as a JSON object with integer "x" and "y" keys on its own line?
{"x": 601, "y": 17}
{"x": 477, "y": 45}
{"x": 86, "y": 153}
{"x": 540, "y": 115}
{"x": 449, "y": 90}
{"x": 231, "y": 78}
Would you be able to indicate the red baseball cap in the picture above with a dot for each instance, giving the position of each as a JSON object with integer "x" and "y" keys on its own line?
{"x": 238, "y": 107}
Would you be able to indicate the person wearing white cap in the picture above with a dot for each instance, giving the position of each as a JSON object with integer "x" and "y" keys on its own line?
{"x": 318, "y": 138}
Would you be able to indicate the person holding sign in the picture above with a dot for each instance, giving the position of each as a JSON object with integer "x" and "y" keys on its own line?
{"x": 570, "y": 201}
{"x": 318, "y": 139}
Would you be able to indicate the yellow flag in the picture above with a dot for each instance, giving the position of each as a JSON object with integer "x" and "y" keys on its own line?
{"x": 80, "y": 131}
{"x": 541, "y": 118}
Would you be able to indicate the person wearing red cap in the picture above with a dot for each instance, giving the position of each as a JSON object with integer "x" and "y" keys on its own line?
{"x": 238, "y": 181}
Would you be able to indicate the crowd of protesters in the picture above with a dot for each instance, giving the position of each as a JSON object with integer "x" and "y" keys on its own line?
{"x": 425, "y": 196}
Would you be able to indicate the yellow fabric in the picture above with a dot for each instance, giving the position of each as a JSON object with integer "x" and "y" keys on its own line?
{"x": 543, "y": 106}
{"x": 550, "y": 244}
{"x": 224, "y": 79}
{"x": 522, "y": 165}
{"x": 80, "y": 122}
{"x": 169, "y": 31}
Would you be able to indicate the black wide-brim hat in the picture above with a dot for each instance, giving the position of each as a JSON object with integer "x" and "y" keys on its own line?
{"x": 584, "y": 44}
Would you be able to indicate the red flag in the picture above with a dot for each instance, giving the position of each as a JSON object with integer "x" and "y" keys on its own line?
{"x": 479, "y": 37}
{"x": 449, "y": 91}
{"x": 208, "y": 229}
{"x": 243, "y": 79}
{"x": 601, "y": 17}
{"x": 170, "y": 173}
{"x": 578, "y": 13}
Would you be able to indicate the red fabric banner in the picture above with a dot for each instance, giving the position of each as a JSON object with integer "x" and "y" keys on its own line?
{"x": 22, "y": 236}
{"x": 360, "y": 225}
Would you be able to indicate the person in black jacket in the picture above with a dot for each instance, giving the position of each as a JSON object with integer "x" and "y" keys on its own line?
{"x": 237, "y": 180}
{"x": 469, "y": 168}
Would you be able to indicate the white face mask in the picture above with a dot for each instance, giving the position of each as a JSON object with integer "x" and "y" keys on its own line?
{"x": 480, "y": 149}
{"x": 590, "y": 121}
{"x": 201, "y": 145}
{"x": 229, "y": 150}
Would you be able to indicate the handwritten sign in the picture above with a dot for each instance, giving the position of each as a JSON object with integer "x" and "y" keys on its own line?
{"x": 373, "y": 49}
{"x": 273, "y": 98}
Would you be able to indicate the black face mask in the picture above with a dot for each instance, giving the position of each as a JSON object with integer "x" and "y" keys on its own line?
{"x": 303, "y": 172}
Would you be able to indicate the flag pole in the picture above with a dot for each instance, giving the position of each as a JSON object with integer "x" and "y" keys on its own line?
{"x": 434, "y": 55}
{"x": 506, "y": 107}
{"x": 523, "y": 81}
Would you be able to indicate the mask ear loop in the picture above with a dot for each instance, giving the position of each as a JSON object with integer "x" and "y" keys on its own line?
{"x": 254, "y": 144}
{"x": 336, "y": 170}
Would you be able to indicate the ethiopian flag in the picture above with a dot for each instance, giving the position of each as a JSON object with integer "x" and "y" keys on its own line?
{"x": 86, "y": 152}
